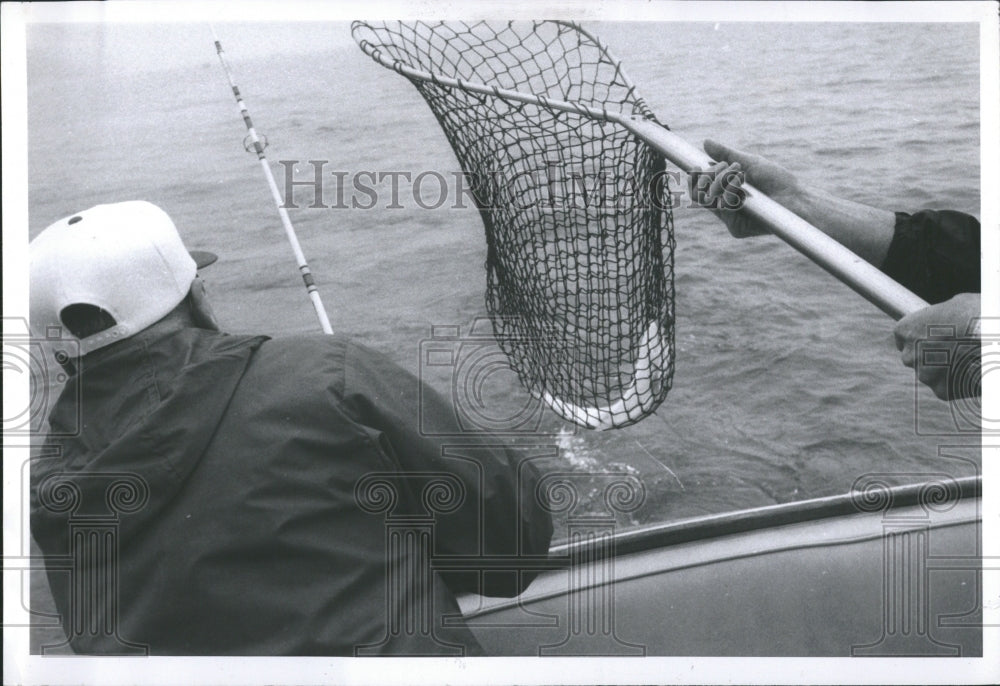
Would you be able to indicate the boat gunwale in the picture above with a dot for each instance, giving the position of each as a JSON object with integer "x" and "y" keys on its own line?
{"x": 706, "y": 527}
{"x": 713, "y": 527}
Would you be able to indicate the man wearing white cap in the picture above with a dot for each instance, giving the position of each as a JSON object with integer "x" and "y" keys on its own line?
{"x": 251, "y": 539}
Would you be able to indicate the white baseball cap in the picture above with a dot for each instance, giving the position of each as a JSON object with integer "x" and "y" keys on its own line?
{"x": 125, "y": 258}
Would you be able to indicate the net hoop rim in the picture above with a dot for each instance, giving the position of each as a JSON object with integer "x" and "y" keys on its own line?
{"x": 602, "y": 113}
{"x": 636, "y": 400}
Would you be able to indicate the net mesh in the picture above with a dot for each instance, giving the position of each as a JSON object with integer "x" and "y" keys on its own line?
{"x": 578, "y": 224}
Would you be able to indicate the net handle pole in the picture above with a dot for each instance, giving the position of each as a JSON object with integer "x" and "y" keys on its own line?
{"x": 300, "y": 258}
{"x": 871, "y": 283}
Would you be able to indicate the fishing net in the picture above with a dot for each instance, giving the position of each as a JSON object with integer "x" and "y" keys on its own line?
{"x": 579, "y": 230}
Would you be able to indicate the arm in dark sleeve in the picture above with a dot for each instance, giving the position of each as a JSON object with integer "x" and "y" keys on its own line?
{"x": 935, "y": 253}
{"x": 501, "y": 514}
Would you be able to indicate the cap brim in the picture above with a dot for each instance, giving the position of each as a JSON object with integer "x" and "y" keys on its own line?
{"x": 202, "y": 258}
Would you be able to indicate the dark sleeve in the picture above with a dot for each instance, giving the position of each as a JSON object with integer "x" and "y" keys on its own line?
{"x": 935, "y": 253}
{"x": 502, "y": 513}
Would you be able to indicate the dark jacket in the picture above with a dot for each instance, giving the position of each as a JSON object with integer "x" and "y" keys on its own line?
{"x": 244, "y": 533}
{"x": 935, "y": 253}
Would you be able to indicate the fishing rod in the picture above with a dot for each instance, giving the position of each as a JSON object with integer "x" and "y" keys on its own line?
{"x": 258, "y": 147}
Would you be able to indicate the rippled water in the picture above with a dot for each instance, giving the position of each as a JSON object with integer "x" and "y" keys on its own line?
{"x": 788, "y": 385}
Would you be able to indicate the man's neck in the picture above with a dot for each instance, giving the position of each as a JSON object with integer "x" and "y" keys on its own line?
{"x": 175, "y": 321}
